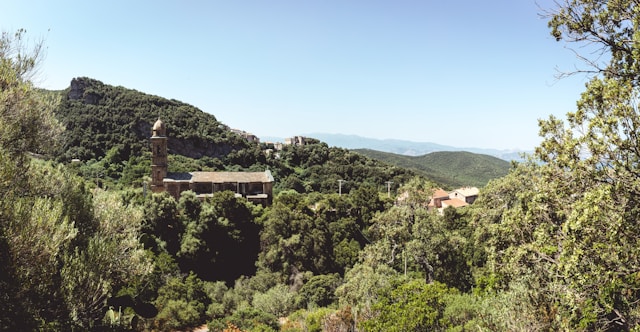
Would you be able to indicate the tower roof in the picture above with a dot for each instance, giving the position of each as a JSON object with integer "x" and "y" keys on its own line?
{"x": 159, "y": 128}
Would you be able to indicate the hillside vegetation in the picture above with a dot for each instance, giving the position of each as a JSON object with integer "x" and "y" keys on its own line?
{"x": 98, "y": 117}
{"x": 449, "y": 168}
{"x": 551, "y": 246}
{"x": 111, "y": 125}
{"x": 108, "y": 129}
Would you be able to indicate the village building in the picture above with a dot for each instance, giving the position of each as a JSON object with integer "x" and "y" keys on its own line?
{"x": 295, "y": 141}
{"x": 441, "y": 199}
{"x": 256, "y": 187}
{"x": 466, "y": 194}
{"x": 248, "y": 136}
{"x": 453, "y": 202}
{"x": 438, "y": 196}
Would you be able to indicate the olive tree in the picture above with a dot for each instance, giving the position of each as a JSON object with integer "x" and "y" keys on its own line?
{"x": 565, "y": 224}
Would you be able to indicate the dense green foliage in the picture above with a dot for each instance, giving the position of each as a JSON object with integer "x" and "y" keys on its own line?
{"x": 108, "y": 129}
{"x": 315, "y": 167}
{"x": 551, "y": 246}
{"x": 450, "y": 169}
{"x": 63, "y": 250}
{"x": 410, "y": 305}
{"x": 98, "y": 117}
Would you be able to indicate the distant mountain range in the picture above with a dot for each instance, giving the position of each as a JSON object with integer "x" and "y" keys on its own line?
{"x": 401, "y": 147}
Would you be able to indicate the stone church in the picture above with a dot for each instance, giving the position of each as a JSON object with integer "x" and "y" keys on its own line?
{"x": 256, "y": 187}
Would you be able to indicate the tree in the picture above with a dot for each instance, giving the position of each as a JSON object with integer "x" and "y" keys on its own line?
{"x": 439, "y": 251}
{"x": 516, "y": 221}
{"x": 319, "y": 291}
{"x": 292, "y": 240}
{"x": 62, "y": 271}
{"x": 247, "y": 319}
{"x": 609, "y": 28}
{"x": 563, "y": 226}
{"x": 360, "y": 288}
{"x": 162, "y": 223}
{"x": 366, "y": 202}
{"x": 37, "y": 235}
{"x": 182, "y": 303}
{"x": 27, "y": 125}
{"x": 221, "y": 238}
{"x": 390, "y": 233}
{"x": 72, "y": 191}
{"x": 189, "y": 207}
{"x": 278, "y": 301}
{"x": 26, "y": 114}
{"x": 594, "y": 163}
{"x": 410, "y": 306}
{"x": 112, "y": 259}
{"x": 566, "y": 227}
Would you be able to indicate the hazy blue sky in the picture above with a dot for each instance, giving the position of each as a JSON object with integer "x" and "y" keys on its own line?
{"x": 465, "y": 73}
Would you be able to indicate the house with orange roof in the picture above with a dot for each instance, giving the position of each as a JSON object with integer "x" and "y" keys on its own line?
{"x": 441, "y": 199}
{"x": 453, "y": 202}
{"x": 438, "y": 196}
{"x": 457, "y": 198}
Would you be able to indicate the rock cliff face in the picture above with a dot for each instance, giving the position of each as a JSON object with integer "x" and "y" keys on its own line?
{"x": 99, "y": 116}
{"x": 80, "y": 89}
{"x": 76, "y": 89}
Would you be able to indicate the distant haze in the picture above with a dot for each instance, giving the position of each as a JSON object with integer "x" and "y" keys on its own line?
{"x": 403, "y": 147}
{"x": 462, "y": 73}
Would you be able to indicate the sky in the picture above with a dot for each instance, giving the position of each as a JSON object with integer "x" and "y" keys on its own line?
{"x": 463, "y": 73}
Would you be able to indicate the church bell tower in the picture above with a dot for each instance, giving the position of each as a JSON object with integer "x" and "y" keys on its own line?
{"x": 158, "y": 156}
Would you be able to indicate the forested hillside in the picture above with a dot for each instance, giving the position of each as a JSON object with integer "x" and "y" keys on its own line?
{"x": 98, "y": 117}
{"x": 108, "y": 129}
{"x": 551, "y": 246}
{"x": 449, "y": 168}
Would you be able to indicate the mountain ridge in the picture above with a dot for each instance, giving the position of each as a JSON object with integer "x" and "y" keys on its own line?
{"x": 111, "y": 125}
{"x": 403, "y": 147}
{"x": 99, "y": 116}
{"x": 450, "y": 168}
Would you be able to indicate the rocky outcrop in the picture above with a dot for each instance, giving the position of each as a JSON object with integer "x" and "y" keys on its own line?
{"x": 76, "y": 90}
{"x": 81, "y": 88}
{"x": 99, "y": 116}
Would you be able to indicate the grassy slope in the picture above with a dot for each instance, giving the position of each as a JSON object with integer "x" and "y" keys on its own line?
{"x": 451, "y": 169}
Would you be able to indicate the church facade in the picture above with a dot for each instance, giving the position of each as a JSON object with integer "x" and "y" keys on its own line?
{"x": 256, "y": 187}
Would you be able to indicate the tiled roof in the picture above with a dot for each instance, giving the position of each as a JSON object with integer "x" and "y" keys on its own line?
{"x": 454, "y": 202}
{"x": 440, "y": 193}
{"x": 224, "y": 177}
{"x": 221, "y": 177}
{"x": 467, "y": 191}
